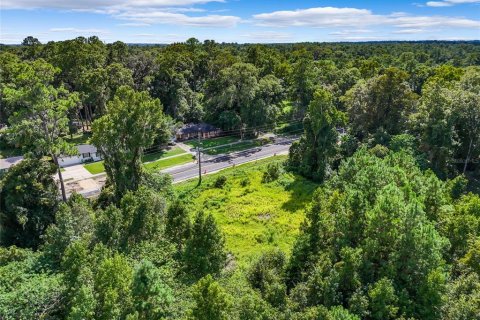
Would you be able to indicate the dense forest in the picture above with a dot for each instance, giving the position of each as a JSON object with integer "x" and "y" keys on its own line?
{"x": 389, "y": 133}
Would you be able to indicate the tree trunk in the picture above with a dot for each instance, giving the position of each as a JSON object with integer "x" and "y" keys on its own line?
{"x": 468, "y": 156}
{"x": 62, "y": 185}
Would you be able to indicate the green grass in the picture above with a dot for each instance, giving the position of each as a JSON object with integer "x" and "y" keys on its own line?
{"x": 154, "y": 160}
{"x": 162, "y": 154}
{"x": 170, "y": 162}
{"x": 79, "y": 138}
{"x": 95, "y": 167}
{"x": 233, "y": 148}
{"x": 214, "y": 142}
{"x": 253, "y": 216}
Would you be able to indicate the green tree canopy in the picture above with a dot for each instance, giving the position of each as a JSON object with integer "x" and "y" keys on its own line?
{"x": 132, "y": 122}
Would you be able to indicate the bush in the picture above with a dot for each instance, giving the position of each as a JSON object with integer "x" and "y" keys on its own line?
{"x": 379, "y": 151}
{"x": 220, "y": 182}
{"x": 245, "y": 182}
{"x": 267, "y": 275}
{"x": 272, "y": 173}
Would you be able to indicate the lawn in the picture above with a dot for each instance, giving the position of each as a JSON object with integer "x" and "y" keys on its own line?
{"x": 253, "y": 216}
{"x": 79, "y": 138}
{"x": 233, "y": 148}
{"x": 95, "y": 167}
{"x": 214, "y": 142}
{"x": 170, "y": 162}
{"x": 98, "y": 167}
{"x": 162, "y": 154}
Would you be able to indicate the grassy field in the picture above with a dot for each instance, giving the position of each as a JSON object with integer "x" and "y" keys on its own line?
{"x": 98, "y": 167}
{"x": 254, "y": 216}
{"x": 214, "y": 142}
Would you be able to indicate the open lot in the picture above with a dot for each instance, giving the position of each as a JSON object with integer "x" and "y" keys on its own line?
{"x": 253, "y": 216}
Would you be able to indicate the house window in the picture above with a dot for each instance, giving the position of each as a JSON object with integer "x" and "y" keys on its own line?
{"x": 86, "y": 155}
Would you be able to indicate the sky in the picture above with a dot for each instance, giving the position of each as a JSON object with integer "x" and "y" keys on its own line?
{"x": 242, "y": 21}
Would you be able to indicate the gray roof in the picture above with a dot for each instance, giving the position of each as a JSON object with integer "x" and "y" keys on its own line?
{"x": 196, "y": 127}
{"x": 86, "y": 148}
{"x": 8, "y": 162}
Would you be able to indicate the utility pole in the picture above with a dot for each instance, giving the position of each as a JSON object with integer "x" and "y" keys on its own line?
{"x": 199, "y": 158}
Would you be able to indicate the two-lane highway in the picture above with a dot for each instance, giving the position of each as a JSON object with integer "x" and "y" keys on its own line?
{"x": 215, "y": 164}
{"x": 212, "y": 164}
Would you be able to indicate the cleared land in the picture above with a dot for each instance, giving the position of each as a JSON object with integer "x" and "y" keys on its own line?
{"x": 254, "y": 216}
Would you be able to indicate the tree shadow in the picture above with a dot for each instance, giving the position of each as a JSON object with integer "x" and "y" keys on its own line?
{"x": 301, "y": 191}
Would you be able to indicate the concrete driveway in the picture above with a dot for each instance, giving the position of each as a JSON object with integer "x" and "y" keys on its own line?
{"x": 76, "y": 172}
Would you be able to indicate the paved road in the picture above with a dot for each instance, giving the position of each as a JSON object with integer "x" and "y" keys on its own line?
{"x": 213, "y": 164}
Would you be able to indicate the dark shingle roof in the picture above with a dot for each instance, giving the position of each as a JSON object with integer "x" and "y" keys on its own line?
{"x": 196, "y": 127}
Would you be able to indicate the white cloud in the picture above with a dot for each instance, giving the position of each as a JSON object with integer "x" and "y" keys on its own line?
{"x": 137, "y": 11}
{"x": 156, "y": 38}
{"x": 76, "y": 30}
{"x": 161, "y": 17}
{"x": 267, "y": 36}
{"x": 146, "y": 35}
{"x": 97, "y": 4}
{"x": 409, "y": 31}
{"x": 439, "y": 4}
{"x": 349, "y": 32}
{"x": 449, "y": 3}
{"x": 363, "y": 38}
{"x": 324, "y": 17}
{"x": 319, "y": 17}
{"x": 134, "y": 24}
{"x": 434, "y": 21}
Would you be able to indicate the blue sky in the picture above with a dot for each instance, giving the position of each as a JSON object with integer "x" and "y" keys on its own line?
{"x": 166, "y": 21}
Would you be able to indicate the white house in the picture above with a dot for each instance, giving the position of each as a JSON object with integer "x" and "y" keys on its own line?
{"x": 86, "y": 153}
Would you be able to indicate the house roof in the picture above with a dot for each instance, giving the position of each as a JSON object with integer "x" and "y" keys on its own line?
{"x": 86, "y": 148}
{"x": 8, "y": 162}
{"x": 196, "y": 127}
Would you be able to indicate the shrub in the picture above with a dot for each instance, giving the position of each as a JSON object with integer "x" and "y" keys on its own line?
{"x": 379, "y": 151}
{"x": 272, "y": 173}
{"x": 245, "y": 182}
{"x": 220, "y": 181}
